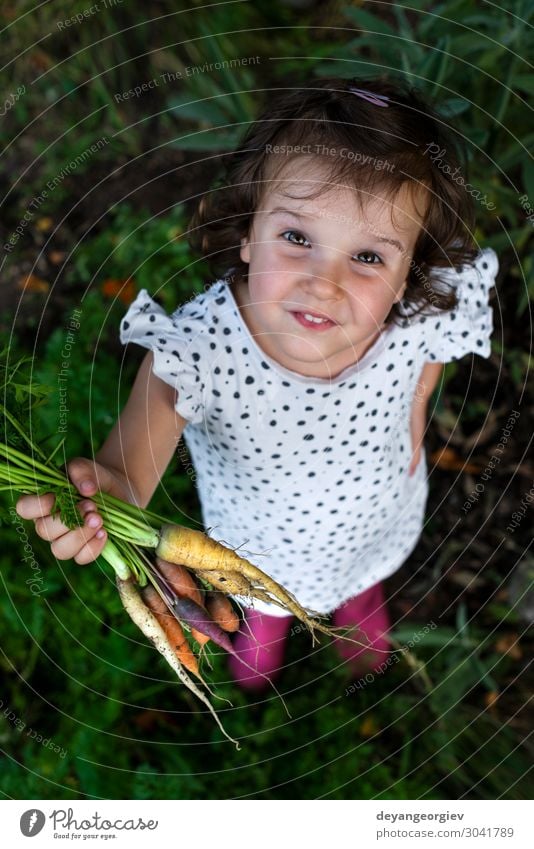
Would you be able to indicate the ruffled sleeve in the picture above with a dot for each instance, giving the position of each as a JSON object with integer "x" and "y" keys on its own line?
{"x": 177, "y": 347}
{"x": 466, "y": 329}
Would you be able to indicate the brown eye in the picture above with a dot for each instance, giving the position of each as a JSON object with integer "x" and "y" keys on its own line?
{"x": 369, "y": 257}
{"x": 295, "y": 238}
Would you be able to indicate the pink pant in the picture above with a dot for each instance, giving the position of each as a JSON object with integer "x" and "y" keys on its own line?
{"x": 262, "y": 639}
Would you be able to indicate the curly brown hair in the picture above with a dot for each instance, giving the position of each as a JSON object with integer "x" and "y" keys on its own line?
{"x": 383, "y": 149}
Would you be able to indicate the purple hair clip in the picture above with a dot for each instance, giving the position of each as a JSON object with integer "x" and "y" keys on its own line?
{"x": 371, "y": 97}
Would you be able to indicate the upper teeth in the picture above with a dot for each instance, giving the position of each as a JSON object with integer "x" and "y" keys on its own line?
{"x": 314, "y": 318}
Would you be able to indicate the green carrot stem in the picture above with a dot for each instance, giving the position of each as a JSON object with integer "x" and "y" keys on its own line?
{"x": 148, "y": 540}
{"x": 101, "y": 500}
{"x": 56, "y": 449}
{"x": 22, "y": 477}
{"x": 133, "y": 509}
{"x": 135, "y": 557}
{"x": 20, "y": 430}
{"x": 12, "y": 453}
{"x": 16, "y": 463}
{"x": 111, "y": 554}
{"x": 130, "y": 529}
{"x": 12, "y": 469}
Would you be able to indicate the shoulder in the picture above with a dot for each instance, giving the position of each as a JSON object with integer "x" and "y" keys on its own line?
{"x": 202, "y": 305}
{"x": 210, "y": 306}
{"x": 446, "y": 335}
{"x": 477, "y": 275}
{"x": 469, "y": 282}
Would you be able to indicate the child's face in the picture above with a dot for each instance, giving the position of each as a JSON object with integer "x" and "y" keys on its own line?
{"x": 326, "y": 259}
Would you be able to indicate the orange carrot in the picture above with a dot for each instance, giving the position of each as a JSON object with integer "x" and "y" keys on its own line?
{"x": 180, "y": 580}
{"x": 201, "y": 639}
{"x": 184, "y": 585}
{"x": 221, "y": 611}
{"x": 172, "y": 628}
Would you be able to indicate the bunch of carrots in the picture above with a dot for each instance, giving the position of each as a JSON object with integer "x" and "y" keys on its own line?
{"x": 180, "y": 598}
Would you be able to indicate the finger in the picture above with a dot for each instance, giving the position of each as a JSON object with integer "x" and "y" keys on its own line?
{"x": 33, "y": 506}
{"x": 82, "y": 545}
{"x": 50, "y": 527}
{"x": 91, "y": 550}
{"x": 87, "y": 476}
{"x": 86, "y": 508}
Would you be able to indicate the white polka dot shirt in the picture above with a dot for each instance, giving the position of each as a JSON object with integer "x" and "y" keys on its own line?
{"x": 308, "y": 475}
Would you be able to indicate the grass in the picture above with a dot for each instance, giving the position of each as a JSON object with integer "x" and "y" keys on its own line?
{"x": 446, "y": 721}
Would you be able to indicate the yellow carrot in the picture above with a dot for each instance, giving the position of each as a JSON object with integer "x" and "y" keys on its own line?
{"x": 204, "y": 555}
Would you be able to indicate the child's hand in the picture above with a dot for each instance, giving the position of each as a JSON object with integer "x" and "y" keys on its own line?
{"x": 83, "y": 544}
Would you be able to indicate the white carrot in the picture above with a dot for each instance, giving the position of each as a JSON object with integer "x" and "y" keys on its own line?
{"x": 150, "y": 627}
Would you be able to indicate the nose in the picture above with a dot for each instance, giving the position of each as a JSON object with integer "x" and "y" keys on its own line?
{"x": 324, "y": 278}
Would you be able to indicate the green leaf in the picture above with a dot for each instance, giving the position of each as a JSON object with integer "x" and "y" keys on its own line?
{"x": 209, "y": 110}
{"x": 528, "y": 178}
{"x": 438, "y": 638}
{"x": 516, "y": 151}
{"x": 453, "y": 106}
{"x": 478, "y": 136}
{"x": 216, "y": 139}
{"x": 469, "y": 43}
{"x": 524, "y": 82}
{"x": 503, "y": 241}
{"x": 368, "y": 22}
{"x": 458, "y": 681}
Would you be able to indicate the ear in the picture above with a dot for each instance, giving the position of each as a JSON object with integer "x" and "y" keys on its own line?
{"x": 244, "y": 252}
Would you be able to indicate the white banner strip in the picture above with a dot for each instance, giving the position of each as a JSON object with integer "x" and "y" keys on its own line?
{"x": 224, "y": 824}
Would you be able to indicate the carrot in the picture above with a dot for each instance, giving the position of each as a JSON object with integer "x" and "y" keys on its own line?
{"x": 198, "y": 617}
{"x": 195, "y": 550}
{"x": 172, "y": 629}
{"x": 204, "y": 555}
{"x": 181, "y": 581}
{"x": 151, "y": 628}
{"x": 221, "y": 612}
{"x": 183, "y": 584}
{"x": 201, "y": 639}
{"x": 228, "y": 582}
{"x": 198, "y": 551}
{"x": 190, "y": 612}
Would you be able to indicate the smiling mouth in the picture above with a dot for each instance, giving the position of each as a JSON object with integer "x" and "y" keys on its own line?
{"x": 313, "y": 320}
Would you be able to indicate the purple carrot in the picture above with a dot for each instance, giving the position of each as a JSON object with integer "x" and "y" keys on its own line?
{"x": 198, "y": 617}
{"x": 193, "y": 614}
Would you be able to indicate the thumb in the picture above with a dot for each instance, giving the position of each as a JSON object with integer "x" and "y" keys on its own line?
{"x": 88, "y": 476}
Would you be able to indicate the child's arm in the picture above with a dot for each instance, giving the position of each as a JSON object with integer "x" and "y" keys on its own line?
{"x": 129, "y": 465}
{"x": 143, "y": 440}
{"x": 426, "y": 384}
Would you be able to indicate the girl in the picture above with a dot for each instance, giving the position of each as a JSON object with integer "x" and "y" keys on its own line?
{"x": 300, "y": 379}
